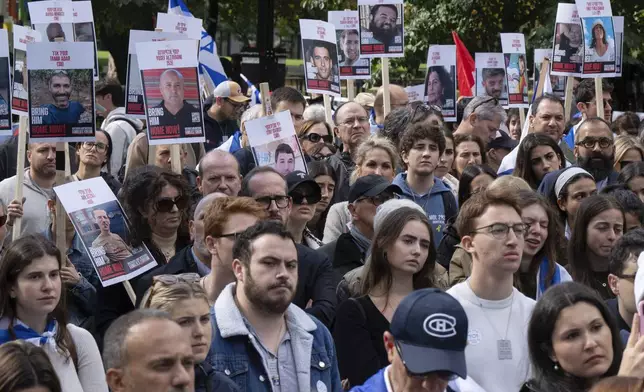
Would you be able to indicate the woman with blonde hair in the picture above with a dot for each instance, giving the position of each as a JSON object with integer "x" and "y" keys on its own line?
{"x": 183, "y": 297}
{"x": 376, "y": 155}
{"x": 627, "y": 149}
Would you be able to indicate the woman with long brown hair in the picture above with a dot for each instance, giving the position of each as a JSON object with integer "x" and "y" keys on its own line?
{"x": 25, "y": 367}
{"x": 32, "y": 306}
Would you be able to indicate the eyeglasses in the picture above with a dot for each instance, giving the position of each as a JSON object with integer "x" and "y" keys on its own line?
{"x": 3, "y": 220}
{"x": 234, "y": 236}
{"x": 490, "y": 99}
{"x": 167, "y": 279}
{"x": 350, "y": 121}
{"x": 378, "y": 199}
{"x": 316, "y": 137}
{"x": 500, "y": 231}
{"x": 590, "y": 142}
{"x": 100, "y": 147}
{"x": 607, "y": 102}
{"x": 166, "y": 204}
{"x": 280, "y": 201}
{"x": 298, "y": 198}
{"x": 237, "y": 105}
{"x": 443, "y": 375}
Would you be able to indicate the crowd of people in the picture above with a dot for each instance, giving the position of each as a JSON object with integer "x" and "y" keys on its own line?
{"x": 412, "y": 255}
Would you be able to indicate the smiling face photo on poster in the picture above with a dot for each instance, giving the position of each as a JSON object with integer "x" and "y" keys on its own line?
{"x": 319, "y": 57}
{"x": 599, "y": 38}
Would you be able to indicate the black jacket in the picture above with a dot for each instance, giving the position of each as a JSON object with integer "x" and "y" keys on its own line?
{"x": 245, "y": 159}
{"x": 112, "y": 182}
{"x": 343, "y": 166}
{"x": 9, "y": 158}
{"x": 448, "y": 244}
{"x": 345, "y": 256}
{"x": 216, "y": 131}
{"x": 315, "y": 282}
{"x": 209, "y": 380}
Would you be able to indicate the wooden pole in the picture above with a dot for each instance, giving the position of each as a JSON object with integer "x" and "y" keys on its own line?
{"x": 265, "y": 96}
{"x": 175, "y": 158}
{"x": 351, "y": 89}
{"x": 23, "y": 128}
{"x": 545, "y": 65}
{"x": 568, "y": 97}
{"x": 385, "y": 85}
{"x": 62, "y": 152}
{"x": 521, "y": 117}
{"x": 328, "y": 114}
{"x": 599, "y": 97}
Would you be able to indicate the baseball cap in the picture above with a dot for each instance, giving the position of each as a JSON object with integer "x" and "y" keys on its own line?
{"x": 371, "y": 185}
{"x": 502, "y": 140}
{"x": 430, "y": 329}
{"x": 230, "y": 90}
{"x": 296, "y": 178}
{"x": 365, "y": 99}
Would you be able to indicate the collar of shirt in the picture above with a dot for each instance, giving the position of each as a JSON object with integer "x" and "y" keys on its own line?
{"x": 202, "y": 269}
{"x": 387, "y": 382}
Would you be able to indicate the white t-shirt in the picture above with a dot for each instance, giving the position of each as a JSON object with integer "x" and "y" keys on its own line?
{"x": 487, "y": 323}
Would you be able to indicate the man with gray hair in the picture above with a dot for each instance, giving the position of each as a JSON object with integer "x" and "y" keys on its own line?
{"x": 482, "y": 117}
{"x": 146, "y": 351}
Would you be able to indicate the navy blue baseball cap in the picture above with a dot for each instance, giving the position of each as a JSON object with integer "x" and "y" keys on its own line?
{"x": 371, "y": 185}
{"x": 430, "y": 328}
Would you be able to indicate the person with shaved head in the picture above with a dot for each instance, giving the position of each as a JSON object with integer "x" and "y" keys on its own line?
{"x": 176, "y": 110}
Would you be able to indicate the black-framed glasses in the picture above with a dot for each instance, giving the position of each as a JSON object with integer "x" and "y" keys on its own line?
{"x": 590, "y": 142}
{"x": 167, "y": 279}
{"x": 488, "y": 100}
{"x": 500, "y": 231}
{"x": 236, "y": 104}
{"x": 232, "y": 236}
{"x": 298, "y": 198}
{"x": 100, "y": 147}
{"x": 378, "y": 199}
{"x": 442, "y": 374}
{"x": 316, "y": 137}
{"x": 280, "y": 201}
{"x": 166, "y": 204}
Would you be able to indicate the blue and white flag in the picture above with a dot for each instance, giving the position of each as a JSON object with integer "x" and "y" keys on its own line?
{"x": 208, "y": 58}
{"x": 255, "y": 98}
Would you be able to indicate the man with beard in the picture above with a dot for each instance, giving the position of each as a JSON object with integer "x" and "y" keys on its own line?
{"x": 62, "y": 110}
{"x": 383, "y": 26}
{"x": 494, "y": 81}
{"x": 595, "y": 151}
{"x": 350, "y": 44}
{"x": 37, "y": 184}
{"x": 222, "y": 112}
{"x": 115, "y": 248}
{"x": 284, "y": 159}
{"x": 315, "y": 274}
{"x": 176, "y": 110}
{"x": 255, "y": 322}
{"x": 421, "y": 146}
{"x": 320, "y": 57}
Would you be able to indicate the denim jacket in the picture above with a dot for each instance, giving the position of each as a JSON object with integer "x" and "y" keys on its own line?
{"x": 236, "y": 353}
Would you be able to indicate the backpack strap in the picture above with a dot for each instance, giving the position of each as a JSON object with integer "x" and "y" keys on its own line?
{"x": 449, "y": 206}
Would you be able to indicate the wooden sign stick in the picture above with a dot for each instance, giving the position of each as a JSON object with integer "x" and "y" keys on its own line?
{"x": 62, "y": 153}
{"x": 570, "y": 80}
{"x": 351, "y": 89}
{"x": 328, "y": 114}
{"x": 265, "y": 96}
{"x": 385, "y": 85}
{"x": 599, "y": 97}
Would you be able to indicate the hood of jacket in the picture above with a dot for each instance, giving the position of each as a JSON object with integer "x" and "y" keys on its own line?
{"x": 119, "y": 114}
{"x": 401, "y": 181}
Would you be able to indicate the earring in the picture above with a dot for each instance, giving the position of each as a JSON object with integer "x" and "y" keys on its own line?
{"x": 556, "y": 367}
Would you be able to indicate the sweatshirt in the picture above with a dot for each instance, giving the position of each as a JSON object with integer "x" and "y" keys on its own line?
{"x": 122, "y": 129}
{"x": 431, "y": 202}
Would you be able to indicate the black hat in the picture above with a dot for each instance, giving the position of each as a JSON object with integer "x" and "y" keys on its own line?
{"x": 298, "y": 178}
{"x": 502, "y": 140}
{"x": 371, "y": 185}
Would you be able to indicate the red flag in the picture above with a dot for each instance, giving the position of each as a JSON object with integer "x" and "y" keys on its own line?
{"x": 465, "y": 68}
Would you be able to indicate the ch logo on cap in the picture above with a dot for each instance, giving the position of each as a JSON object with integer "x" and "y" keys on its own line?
{"x": 301, "y": 175}
{"x": 440, "y": 325}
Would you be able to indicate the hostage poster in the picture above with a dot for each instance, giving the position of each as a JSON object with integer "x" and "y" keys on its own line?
{"x": 440, "y": 80}
{"x": 382, "y": 28}
{"x": 568, "y": 42}
{"x": 21, "y": 37}
{"x": 321, "y": 71}
{"x": 490, "y": 76}
{"x": 516, "y": 69}
{"x": 599, "y": 38}
{"x": 5, "y": 85}
{"x": 347, "y": 25}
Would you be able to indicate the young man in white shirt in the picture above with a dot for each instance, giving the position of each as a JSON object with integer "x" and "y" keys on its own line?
{"x": 492, "y": 233}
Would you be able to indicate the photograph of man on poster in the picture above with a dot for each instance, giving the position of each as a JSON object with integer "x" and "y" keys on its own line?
{"x": 383, "y": 26}
{"x": 349, "y": 44}
{"x": 320, "y": 56}
{"x": 494, "y": 81}
{"x": 176, "y": 110}
{"x": 284, "y": 159}
{"x": 54, "y": 31}
{"x": 61, "y": 110}
{"x": 115, "y": 248}
{"x": 569, "y": 43}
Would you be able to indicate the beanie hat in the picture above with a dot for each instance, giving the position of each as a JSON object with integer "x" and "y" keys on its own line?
{"x": 390, "y": 206}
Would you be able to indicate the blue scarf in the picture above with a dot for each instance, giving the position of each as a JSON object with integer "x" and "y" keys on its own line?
{"x": 24, "y": 332}
{"x": 543, "y": 275}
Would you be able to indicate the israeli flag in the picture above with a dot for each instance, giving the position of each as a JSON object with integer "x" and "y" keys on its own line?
{"x": 255, "y": 98}
{"x": 208, "y": 58}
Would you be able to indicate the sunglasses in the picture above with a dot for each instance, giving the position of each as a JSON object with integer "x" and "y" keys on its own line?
{"x": 315, "y": 137}
{"x": 190, "y": 277}
{"x": 378, "y": 199}
{"x": 298, "y": 198}
{"x": 166, "y": 204}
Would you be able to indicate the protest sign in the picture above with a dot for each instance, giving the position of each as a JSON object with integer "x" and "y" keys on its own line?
{"x": 347, "y": 26}
{"x": 382, "y": 28}
{"x": 440, "y": 81}
{"x": 416, "y": 93}
{"x": 102, "y": 226}
{"x": 490, "y": 76}
{"x": 133, "y": 87}
{"x": 53, "y": 19}
{"x": 184, "y": 25}
{"x": 558, "y": 83}
{"x": 84, "y": 30}
{"x": 21, "y": 36}
{"x": 568, "y": 42}
{"x": 516, "y": 69}
{"x": 274, "y": 143}
{"x": 61, "y": 92}
{"x": 173, "y": 106}
{"x": 5, "y": 85}
{"x": 599, "y": 38}
{"x": 321, "y": 71}
{"x": 618, "y": 25}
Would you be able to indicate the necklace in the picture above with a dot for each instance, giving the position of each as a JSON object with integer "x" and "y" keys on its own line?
{"x": 503, "y": 345}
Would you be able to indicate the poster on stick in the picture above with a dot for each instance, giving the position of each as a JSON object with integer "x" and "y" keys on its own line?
{"x": 440, "y": 80}
{"x": 320, "y": 51}
{"x": 84, "y": 30}
{"x": 102, "y": 226}
{"x": 5, "y": 85}
{"x": 133, "y": 87}
{"x": 599, "y": 38}
{"x": 61, "y": 92}
{"x": 568, "y": 42}
{"x": 557, "y": 82}
{"x": 347, "y": 32}
{"x": 274, "y": 143}
{"x": 53, "y": 19}
{"x": 516, "y": 69}
{"x": 382, "y": 28}
{"x": 186, "y": 26}
{"x": 490, "y": 76}
{"x": 173, "y": 106}
{"x": 21, "y": 37}
{"x": 618, "y": 25}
